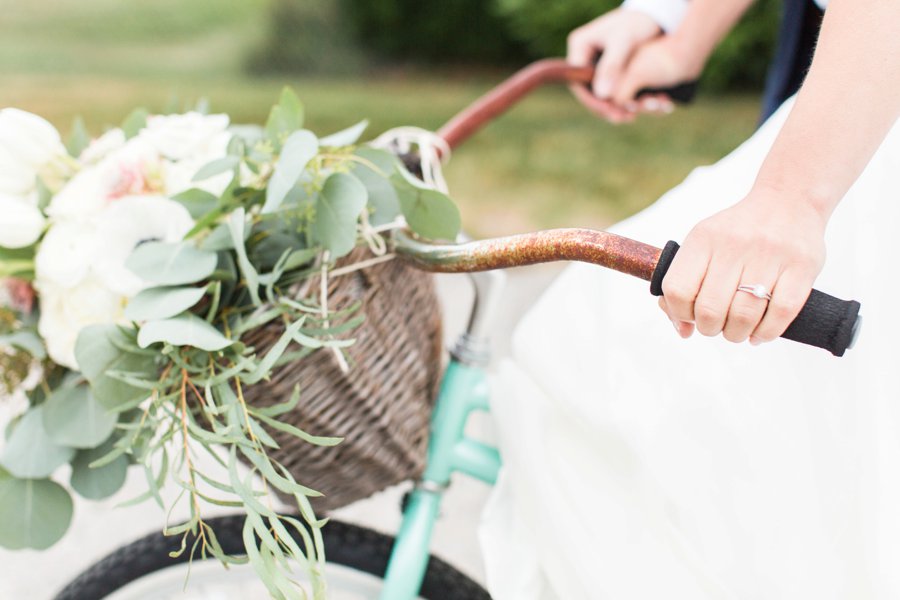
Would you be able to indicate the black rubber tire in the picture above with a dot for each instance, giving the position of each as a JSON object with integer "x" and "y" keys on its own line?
{"x": 347, "y": 545}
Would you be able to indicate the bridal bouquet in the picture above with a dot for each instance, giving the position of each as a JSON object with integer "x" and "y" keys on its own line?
{"x": 132, "y": 266}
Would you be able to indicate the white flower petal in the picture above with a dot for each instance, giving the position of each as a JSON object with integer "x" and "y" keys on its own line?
{"x": 127, "y": 223}
{"x": 29, "y": 137}
{"x": 21, "y": 223}
{"x": 67, "y": 254}
{"x": 16, "y": 178}
{"x": 177, "y": 137}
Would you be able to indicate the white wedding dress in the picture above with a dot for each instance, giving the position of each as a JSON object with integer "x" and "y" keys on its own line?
{"x": 642, "y": 466}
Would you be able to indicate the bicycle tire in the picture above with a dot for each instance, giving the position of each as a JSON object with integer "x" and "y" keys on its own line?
{"x": 347, "y": 545}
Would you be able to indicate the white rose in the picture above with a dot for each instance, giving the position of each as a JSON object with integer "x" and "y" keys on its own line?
{"x": 65, "y": 311}
{"x": 30, "y": 138}
{"x": 21, "y": 222}
{"x": 177, "y": 137}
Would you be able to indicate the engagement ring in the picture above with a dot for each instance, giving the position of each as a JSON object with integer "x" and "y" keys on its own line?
{"x": 758, "y": 290}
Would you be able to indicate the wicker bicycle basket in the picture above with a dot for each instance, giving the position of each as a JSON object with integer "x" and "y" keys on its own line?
{"x": 382, "y": 406}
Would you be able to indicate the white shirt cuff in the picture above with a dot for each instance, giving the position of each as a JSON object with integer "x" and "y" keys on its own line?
{"x": 667, "y": 13}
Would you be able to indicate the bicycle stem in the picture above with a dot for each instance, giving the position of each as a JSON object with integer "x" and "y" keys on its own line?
{"x": 584, "y": 245}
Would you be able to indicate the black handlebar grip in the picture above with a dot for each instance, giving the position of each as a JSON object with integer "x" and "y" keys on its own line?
{"x": 683, "y": 92}
{"x": 824, "y": 321}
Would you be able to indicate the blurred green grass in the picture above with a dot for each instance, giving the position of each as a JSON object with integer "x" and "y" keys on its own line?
{"x": 546, "y": 164}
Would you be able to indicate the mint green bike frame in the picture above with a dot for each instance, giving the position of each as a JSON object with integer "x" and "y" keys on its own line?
{"x": 464, "y": 389}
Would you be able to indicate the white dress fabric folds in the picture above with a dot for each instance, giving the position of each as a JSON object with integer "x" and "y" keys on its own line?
{"x": 640, "y": 466}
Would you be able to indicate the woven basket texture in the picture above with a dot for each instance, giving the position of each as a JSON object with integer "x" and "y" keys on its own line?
{"x": 382, "y": 407}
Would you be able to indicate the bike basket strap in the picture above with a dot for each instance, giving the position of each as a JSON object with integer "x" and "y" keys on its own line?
{"x": 825, "y": 321}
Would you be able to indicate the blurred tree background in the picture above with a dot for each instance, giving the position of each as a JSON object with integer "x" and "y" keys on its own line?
{"x": 396, "y": 62}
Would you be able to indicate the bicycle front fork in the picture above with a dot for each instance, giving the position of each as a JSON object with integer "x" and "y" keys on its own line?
{"x": 464, "y": 389}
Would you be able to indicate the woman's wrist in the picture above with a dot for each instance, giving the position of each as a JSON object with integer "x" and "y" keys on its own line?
{"x": 815, "y": 205}
{"x": 690, "y": 55}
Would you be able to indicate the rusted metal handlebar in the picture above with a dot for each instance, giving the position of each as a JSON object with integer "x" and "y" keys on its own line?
{"x": 502, "y": 97}
{"x": 583, "y": 245}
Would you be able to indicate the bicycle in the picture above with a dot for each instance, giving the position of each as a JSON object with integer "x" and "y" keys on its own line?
{"x": 366, "y": 564}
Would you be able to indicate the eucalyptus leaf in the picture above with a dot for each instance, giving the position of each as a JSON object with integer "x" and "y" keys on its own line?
{"x": 338, "y": 206}
{"x": 374, "y": 173}
{"x": 299, "y": 148}
{"x": 30, "y": 453}
{"x": 218, "y": 239}
{"x": 197, "y": 202}
{"x": 99, "y": 353}
{"x": 217, "y": 167}
{"x": 134, "y": 122}
{"x": 285, "y": 117}
{"x": 162, "y": 302}
{"x": 78, "y": 139}
{"x": 26, "y": 340}
{"x": 183, "y": 330}
{"x": 171, "y": 264}
{"x": 236, "y": 225}
{"x": 73, "y": 417}
{"x": 345, "y": 137}
{"x": 97, "y": 483}
{"x": 34, "y": 513}
{"x": 429, "y": 213}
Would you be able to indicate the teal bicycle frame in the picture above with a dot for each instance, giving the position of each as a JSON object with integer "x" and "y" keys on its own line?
{"x": 464, "y": 390}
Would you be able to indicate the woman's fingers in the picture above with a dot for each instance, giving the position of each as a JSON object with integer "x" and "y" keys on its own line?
{"x": 602, "y": 108}
{"x": 747, "y": 310}
{"x": 684, "y": 328}
{"x": 716, "y": 295}
{"x": 683, "y": 280}
{"x": 788, "y": 297}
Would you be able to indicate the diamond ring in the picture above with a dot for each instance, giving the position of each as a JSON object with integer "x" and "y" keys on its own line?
{"x": 758, "y": 290}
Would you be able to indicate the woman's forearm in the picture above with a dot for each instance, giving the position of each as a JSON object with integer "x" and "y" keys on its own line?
{"x": 847, "y": 104}
{"x": 705, "y": 24}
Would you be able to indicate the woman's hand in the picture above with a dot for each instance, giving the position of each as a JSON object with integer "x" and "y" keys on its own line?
{"x": 615, "y": 37}
{"x": 660, "y": 63}
{"x": 771, "y": 238}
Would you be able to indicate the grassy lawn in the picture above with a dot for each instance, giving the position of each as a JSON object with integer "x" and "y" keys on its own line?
{"x": 545, "y": 164}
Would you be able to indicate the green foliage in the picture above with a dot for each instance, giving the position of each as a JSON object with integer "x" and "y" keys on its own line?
{"x": 74, "y": 418}
{"x": 428, "y": 212}
{"x": 103, "y": 355}
{"x": 183, "y": 330}
{"x": 34, "y": 513}
{"x": 342, "y": 199}
{"x": 171, "y": 383}
{"x": 162, "y": 302}
{"x": 461, "y": 31}
{"x": 305, "y": 36}
{"x": 30, "y": 453}
{"x": 299, "y": 148}
{"x": 98, "y": 482}
{"x": 171, "y": 264}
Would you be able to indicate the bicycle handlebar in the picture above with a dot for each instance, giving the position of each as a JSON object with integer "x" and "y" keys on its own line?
{"x": 824, "y": 322}
{"x": 501, "y": 98}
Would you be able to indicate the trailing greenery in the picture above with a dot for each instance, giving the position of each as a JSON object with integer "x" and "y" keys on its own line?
{"x": 172, "y": 383}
